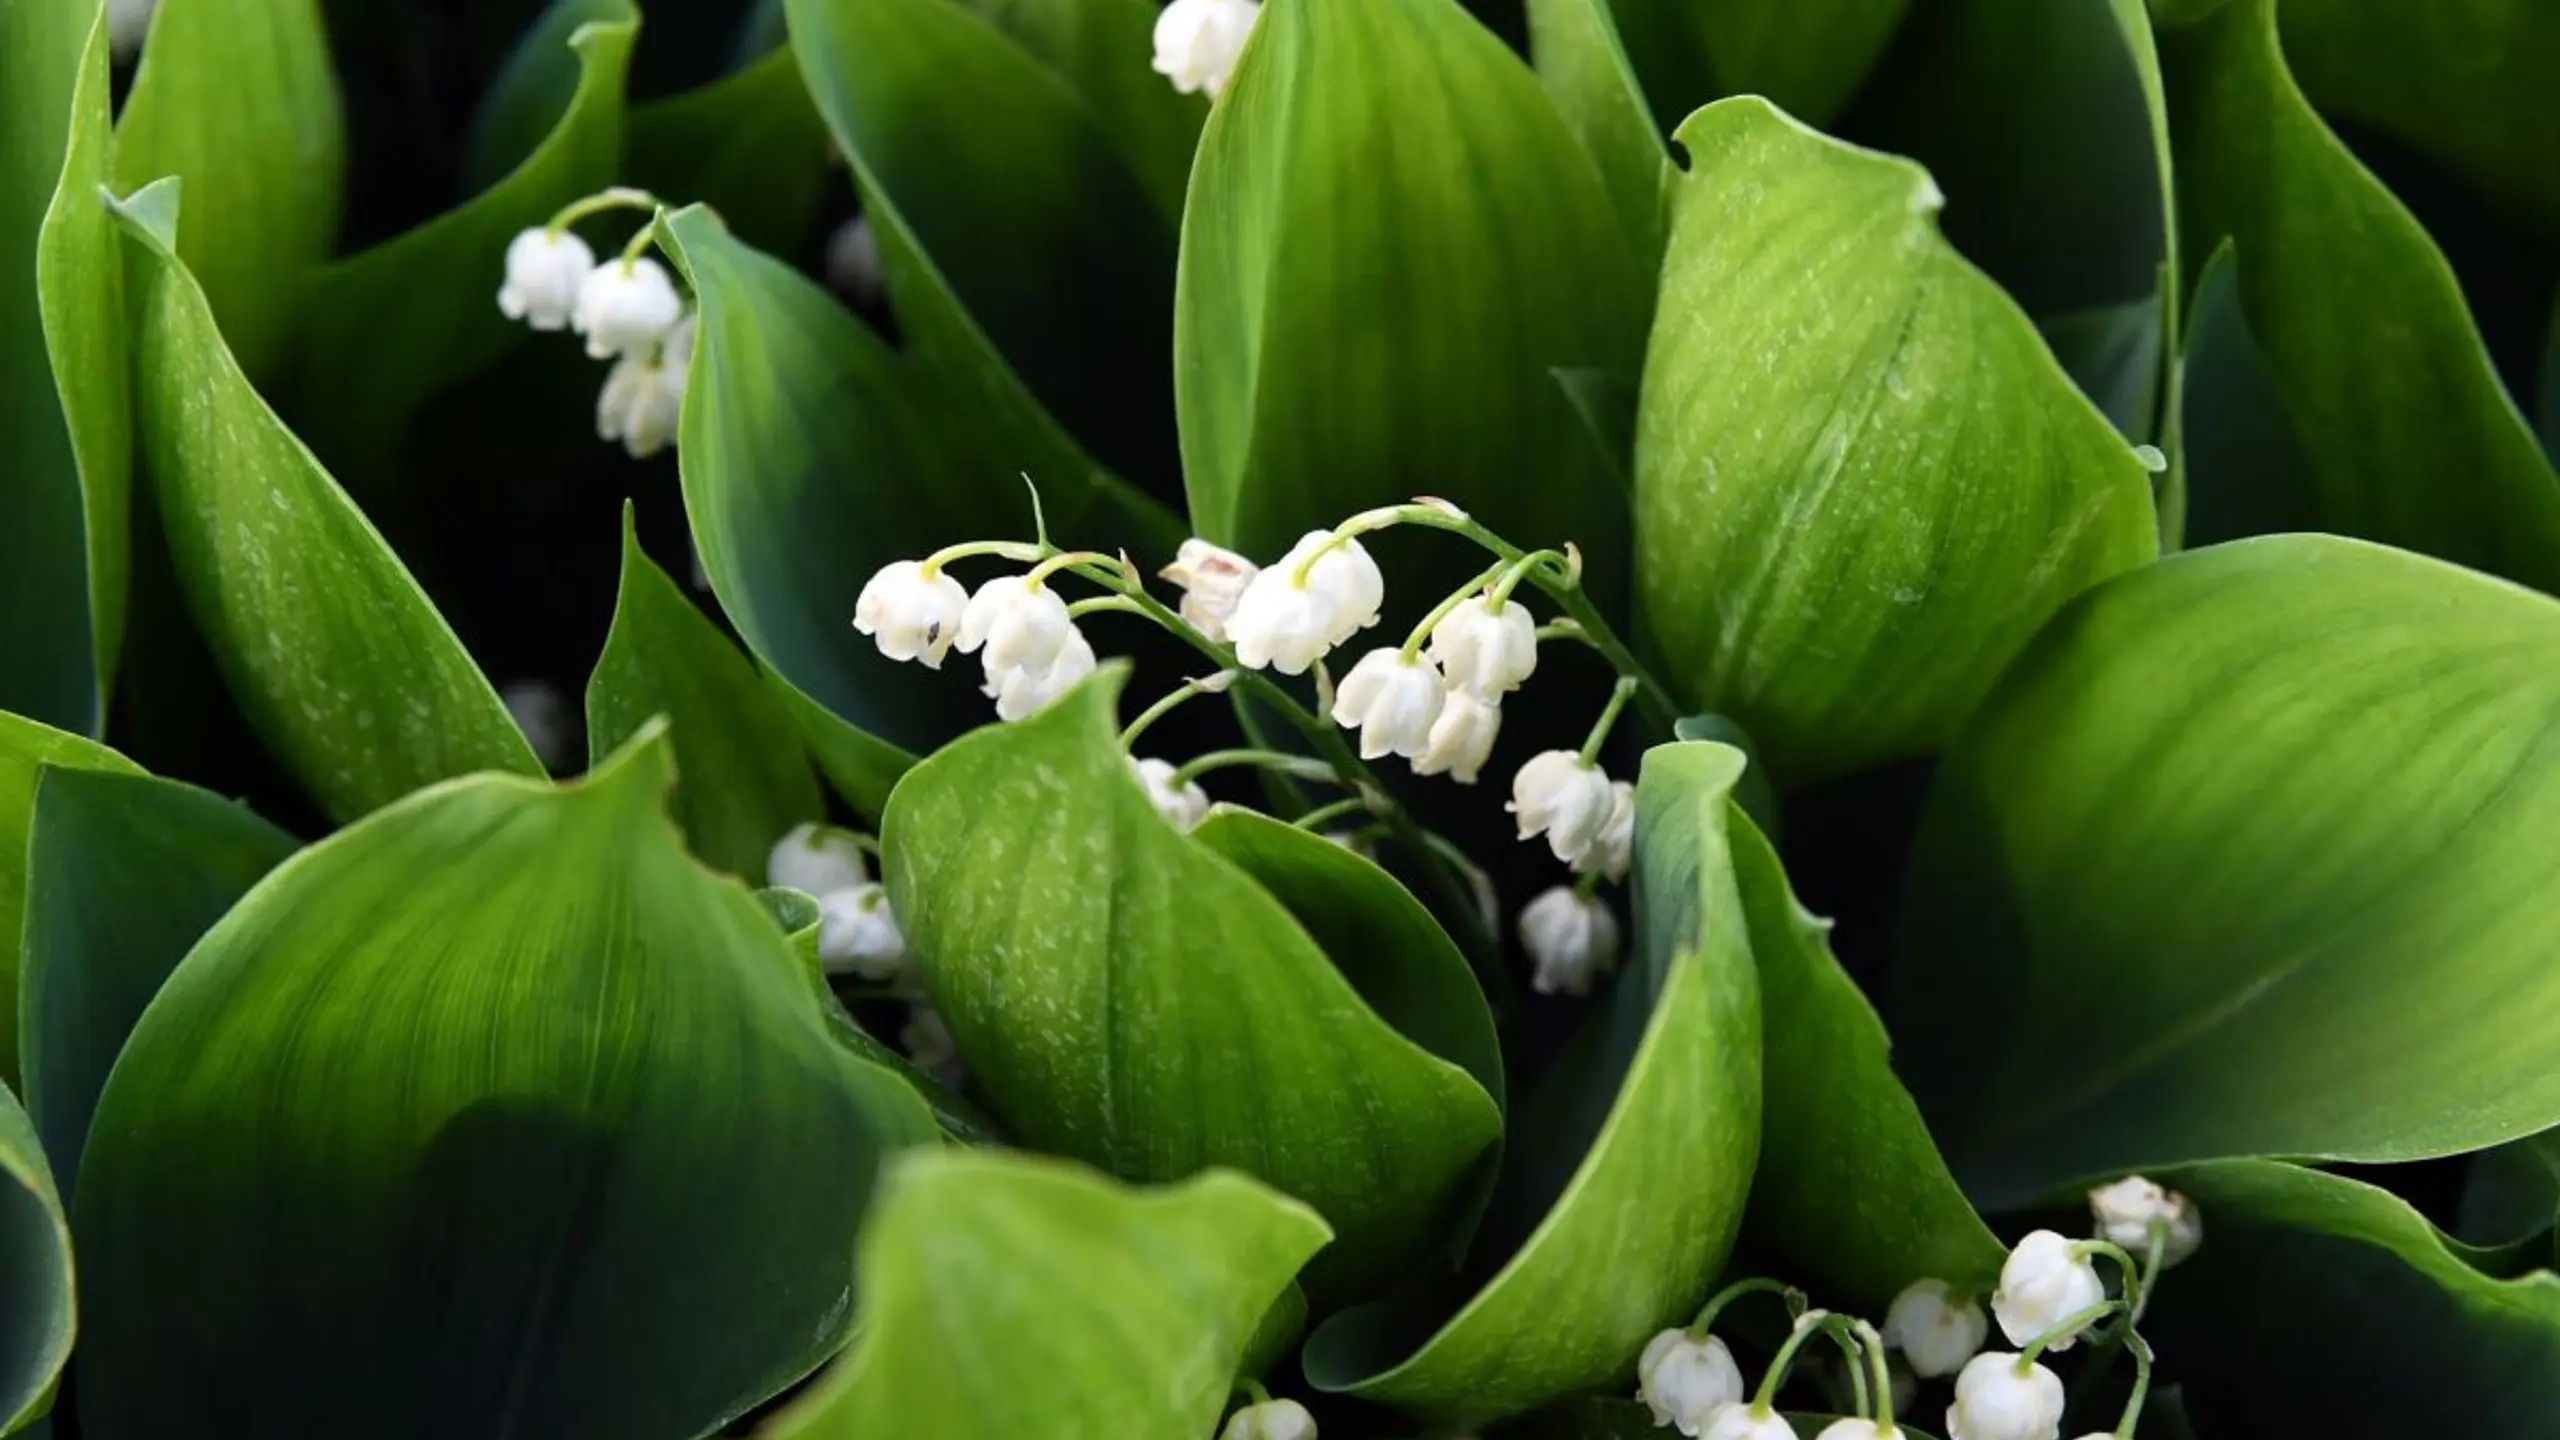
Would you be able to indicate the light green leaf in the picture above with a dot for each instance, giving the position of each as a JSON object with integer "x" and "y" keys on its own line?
{"x": 382, "y": 331}
{"x": 1826, "y": 367}
{"x": 1851, "y": 1198}
{"x": 64, "y": 410}
{"x": 2168, "y": 886}
{"x": 1624, "y": 1181}
{"x": 35, "y": 1338}
{"x": 494, "y": 1113}
{"x": 1106, "y": 1312}
{"x": 742, "y": 779}
{"x": 124, "y": 874}
{"x": 1183, "y": 1017}
{"x": 1575, "y": 48}
{"x": 1806, "y": 55}
{"x": 2412, "y": 439}
{"x": 1095, "y": 46}
{"x": 348, "y": 673}
{"x": 1360, "y": 322}
{"x": 748, "y": 145}
{"x": 238, "y": 99}
{"x": 26, "y": 748}
{"x": 2394, "y": 1334}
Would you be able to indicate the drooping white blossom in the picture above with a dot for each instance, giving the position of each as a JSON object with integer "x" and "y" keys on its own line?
{"x": 853, "y": 262}
{"x": 816, "y": 860}
{"x": 546, "y": 270}
{"x": 1558, "y": 795}
{"x": 1392, "y": 699}
{"x": 2047, "y": 1280}
{"x": 1185, "y": 805}
{"x": 1484, "y": 651}
{"x": 2126, "y": 1210}
{"x": 858, "y": 935}
{"x": 1197, "y": 42}
{"x": 1461, "y": 739}
{"x": 1270, "y": 1420}
{"x": 2000, "y": 1396}
{"x": 1747, "y": 1422}
{"x": 627, "y": 307}
{"x": 910, "y": 613}
{"x": 1934, "y": 1331}
{"x": 1685, "y": 1379}
{"x": 1212, "y": 579}
{"x": 1571, "y": 939}
{"x": 1286, "y": 623}
{"x": 1021, "y": 625}
{"x": 643, "y": 398}
{"x": 1021, "y": 693}
{"x": 1854, "y": 1429}
{"x": 1614, "y": 850}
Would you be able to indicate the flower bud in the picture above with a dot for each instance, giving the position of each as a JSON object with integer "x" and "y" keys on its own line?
{"x": 1486, "y": 652}
{"x": 1022, "y": 693}
{"x": 1935, "y": 1333}
{"x": 2001, "y": 1396}
{"x": 1685, "y": 1379}
{"x": 853, "y": 262}
{"x": 1212, "y": 579}
{"x": 910, "y": 614}
{"x": 816, "y": 860}
{"x": 1392, "y": 701}
{"x": 1614, "y": 850}
{"x": 858, "y": 935}
{"x": 1746, "y": 1422}
{"x": 1558, "y": 795}
{"x": 2046, "y": 1280}
{"x": 1270, "y": 1420}
{"x": 1020, "y": 624}
{"x": 1572, "y": 940}
{"x": 1184, "y": 805}
{"x": 1197, "y": 42}
{"x": 545, "y": 271}
{"x": 2126, "y": 1211}
{"x": 627, "y": 307}
{"x": 1461, "y": 738}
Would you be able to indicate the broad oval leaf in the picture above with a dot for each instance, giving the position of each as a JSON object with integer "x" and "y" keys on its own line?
{"x": 1357, "y": 322}
{"x": 2166, "y": 896}
{"x": 1825, "y": 368}
{"x": 749, "y": 145}
{"x": 1624, "y": 1180}
{"x": 1575, "y": 47}
{"x": 124, "y": 874}
{"x": 741, "y": 777}
{"x": 1105, "y": 1311}
{"x": 41, "y": 1314}
{"x": 2512, "y": 1197}
{"x": 239, "y": 99}
{"x": 2411, "y": 438}
{"x": 493, "y": 1113}
{"x": 351, "y": 678}
{"x": 26, "y": 749}
{"x": 1093, "y": 45}
{"x": 1807, "y": 55}
{"x": 1129, "y": 997}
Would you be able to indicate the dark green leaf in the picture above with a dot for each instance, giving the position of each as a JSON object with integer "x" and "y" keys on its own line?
{"x": 1006, "y": 1297}
{"x": 351, "y": 677}
{"x": 2113, "y": 355}
{"x": 1806, "y": 55}
{"x": 37, "y": 1324}
{"x": 26, "y": 748}
{"x": 492, "y": 1114}
{"x": 2250, "y": 473}
{"x": 238, "y": 99}
{"x": 742, "y": 779}
{"x": 1825, "y": 366}
{"x": 2513, "y": 1196}
{"x": 2167, "y": 889}
{"x": 1094, "y": 46}
{"x": 749, "y": 145}
{"x": 2412, "y": 439}
{"x": 124, "y": 874}
{"x": 535, "y": 87}
{"x": 1575, "y": 46}
{"x": 1178, "y": 1016}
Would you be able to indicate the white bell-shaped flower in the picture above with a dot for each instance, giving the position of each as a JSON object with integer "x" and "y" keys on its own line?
{"x": 2046, "y": 1280}
{"x": 1572, "y": 940}
{"x": 2126, "y": 1210}
{"x": 1392, "y": 700}
{"x": 1614, "y": 850}
{"x": 1020, "y": 624}
{"x": 1935, "y": 1332}
{"x": 1212, "y": 579}
{"x": 1461, "y": 738}
{"x": 926, "y": 1037}
{"x": 853, "y": 262}
{"x": 817, "y": 860}
{"x": 1284, "y": 623}
{"x": 910, "y": 614}
{"x": 2000, "y": 1396}
{"x": 1685, "y": 1379}
{"x": 1747, "y": 1422}
{"x": 1185, "y": 805}
{"x": 1270, "y": 1420}
{"x": 643, "y": 398}
{"x": 1022, "y": 692}
{"x": 858, "y": 935}
{"x": 128, "y": 22}
{"x": 627, "y": 307}
{"x": 1559, "y": 796}
{"x": 1483, "y": 651}
{"x": 546, "y": 270}
{"x": 1197, "y": 42}
{"x": 1857, "y": 1430}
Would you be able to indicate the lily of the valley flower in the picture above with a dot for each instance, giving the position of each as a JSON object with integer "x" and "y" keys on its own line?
{"x": 1021, "y": 693}
{"x": 1197, "y": 42}
{"x": 853, "y": 262}
{"x": 1685, "y": 1379}
{"x": 858, "y": 935}
{"x": 2047, "y": 1280}
{"x": 911, "y": 614}
{"x": 1283, "y": 623}
{"x": 1614, "y": 849}
{"x": 1747, "y": 1422}
{"x": 1572, "y": 940}
{"x": 1185, "y": 804}
{"x": 643, "y": 396}
{"x": 1392, "y": 699}
{"x": 2001, "y": 1396}
{"x": 816, "y": 860}
{"x": 546, "y": 269}
{"x": 1935, "y": 1332}
{"x": 1461, "y": 739}
{"x": 1270, "y": 1420}
{"x": 1212, "y": 579}
{"x": 1486, "y": 652}
{"x": 1858, "y": 1430}
{"x": 1561, "y": 796}
{"x": 627, "y": 307}
{"x": 1021, "y": 623}
{"x": 2127, "y": 1210}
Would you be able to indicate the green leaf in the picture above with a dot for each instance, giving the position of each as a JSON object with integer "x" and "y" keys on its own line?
{"x": 1575, "y": 48}
{"x": 1359, "y": 321}
{"x": 35, "y": 1334}
{"x": 1628, "y": 1162}
{"x": 1093, "y": 45}
{"x": 493, "y": 1113}
{"x": 347, "y": 672}
{"x": 2512, "y": 1196}
{"x": 749, "y": 145}
{"x": 238, "y": 99}
{"x": 26, "y": 748}
{"x": 1106, "y": 1311}
{"x": 2167, "y": 889}
{"x": 2394, "y": 1334}
{"x": 2412, "y": 439}
{"x": 2113, "y": 354}
{"x": 1184, "y": 1017}
{"x": 383, "y": 331}
{"x": 1825, "y": 366}
{"x": 535, "y": 86}
{"x": 1851, "y": 1197}
{"x": 2251, "y": 475}
{"x": 742, "y": 778}
{"x": 124, "y": 874}
{"x": 1806, "y": 55}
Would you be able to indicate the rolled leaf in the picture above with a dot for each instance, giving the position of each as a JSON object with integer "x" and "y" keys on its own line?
{"x": 750, "y": 145}
{"x": 42, "y": 1316}
{"x": 1806, "y": 55}
{"x": 26, "y": 749}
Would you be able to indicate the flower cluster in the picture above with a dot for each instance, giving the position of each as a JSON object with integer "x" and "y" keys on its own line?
{"x": 628, "y": 309}
{"x": 858, "y": 934}
{"x": 1030, "y": 647}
